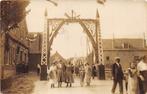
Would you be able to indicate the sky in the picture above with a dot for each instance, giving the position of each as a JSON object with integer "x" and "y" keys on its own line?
{"x": 123, "y": 18}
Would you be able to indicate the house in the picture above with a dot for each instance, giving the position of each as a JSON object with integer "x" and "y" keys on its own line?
{"x": 57, "y": 57}
{"x": 126, "y": 49}
{"x": 14, "y": 50}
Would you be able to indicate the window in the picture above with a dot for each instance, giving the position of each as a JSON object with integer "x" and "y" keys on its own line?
{"x": 136, "y": 57}
{"x": 107, "y": 58}
{"x": 125, "y": 45}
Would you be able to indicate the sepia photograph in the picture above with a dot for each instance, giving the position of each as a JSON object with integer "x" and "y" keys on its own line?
{"x": 73, "y": 46}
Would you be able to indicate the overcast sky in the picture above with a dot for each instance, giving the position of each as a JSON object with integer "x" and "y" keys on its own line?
{"x": 124, "y": 18}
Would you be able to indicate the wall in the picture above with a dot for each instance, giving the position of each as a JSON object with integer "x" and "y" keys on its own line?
{"x": 13, "y": 40}
{"x": 126, "y": 56}
{"x": 34, "y": 59}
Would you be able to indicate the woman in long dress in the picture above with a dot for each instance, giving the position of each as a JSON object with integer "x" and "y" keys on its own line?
{"x": 82, "y": 74}
{"x": 88, "y": 73}
{"x": 69, "y": 75}
{"x": 60, "y": 74}
{"x": 53, "y": 75}
{"x": 133, "y": 87}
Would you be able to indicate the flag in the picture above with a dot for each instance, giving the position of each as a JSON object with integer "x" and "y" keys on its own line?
{"x": 101, "y": 1}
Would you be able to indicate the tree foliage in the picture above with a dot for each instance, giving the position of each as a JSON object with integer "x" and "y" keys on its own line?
{"x": 12, "y": 12}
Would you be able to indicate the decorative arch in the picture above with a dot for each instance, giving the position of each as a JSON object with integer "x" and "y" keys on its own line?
{"x": 55, "y": 32}
{"x": 91, "y": 28}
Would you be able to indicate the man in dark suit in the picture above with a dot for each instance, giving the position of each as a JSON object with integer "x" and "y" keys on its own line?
{"x": 117, "y": 75}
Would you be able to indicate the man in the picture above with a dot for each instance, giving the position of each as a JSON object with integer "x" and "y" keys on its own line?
{"x": 142, "y": 68}
{"x": 117, "y": 75}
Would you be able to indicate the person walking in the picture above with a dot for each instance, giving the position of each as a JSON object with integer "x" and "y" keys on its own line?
{"x": 133, "y": 87}
{"x": 117, "y": 75}
{"x": 142, "y": 68}
{"x": 88, "y": 73}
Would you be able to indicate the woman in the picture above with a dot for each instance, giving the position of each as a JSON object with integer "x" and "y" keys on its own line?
{"x": 88, "y": 72}
{"x": 53, "y": 75}
{"x": 60, "y": 74}
{"x": 133, "y": 87}
{"x": 69, "y": 75}
{"x": 82, "y": 75}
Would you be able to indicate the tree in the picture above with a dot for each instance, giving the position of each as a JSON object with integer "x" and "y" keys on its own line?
{"x": 12, "y": 12}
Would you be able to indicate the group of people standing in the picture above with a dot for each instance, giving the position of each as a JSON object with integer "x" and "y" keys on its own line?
{"x": 135, "y": 77}
{"x": 60, "y": 72}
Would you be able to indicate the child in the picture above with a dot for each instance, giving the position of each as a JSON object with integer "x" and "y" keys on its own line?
{"x": 126, "y": 80}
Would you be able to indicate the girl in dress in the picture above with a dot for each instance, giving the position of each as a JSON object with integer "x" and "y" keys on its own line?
{"x": 53, "y": 75}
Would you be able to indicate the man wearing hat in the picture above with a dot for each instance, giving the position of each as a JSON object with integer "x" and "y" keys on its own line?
{"x": 117, "y": 75}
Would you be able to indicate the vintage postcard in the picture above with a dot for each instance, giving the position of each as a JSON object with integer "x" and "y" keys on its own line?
{"x": 73, "y": 46}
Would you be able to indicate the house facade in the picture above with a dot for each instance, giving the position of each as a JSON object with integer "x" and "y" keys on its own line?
{"x": 14, "y": 49}
{"x": 127, "y": 49}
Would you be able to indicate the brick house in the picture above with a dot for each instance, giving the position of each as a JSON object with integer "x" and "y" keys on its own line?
{"x": 126, "y": 49}
{"x": 13, "y": 50}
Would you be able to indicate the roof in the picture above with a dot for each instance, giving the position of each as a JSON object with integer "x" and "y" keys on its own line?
{"x": 57, "y": 57}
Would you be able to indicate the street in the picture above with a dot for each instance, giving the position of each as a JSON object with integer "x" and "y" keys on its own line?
{"x": 97, "y": 87}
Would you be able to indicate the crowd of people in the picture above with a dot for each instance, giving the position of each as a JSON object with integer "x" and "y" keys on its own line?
{"x": 60, "y": 72}
{"x": 135, "y": 76}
